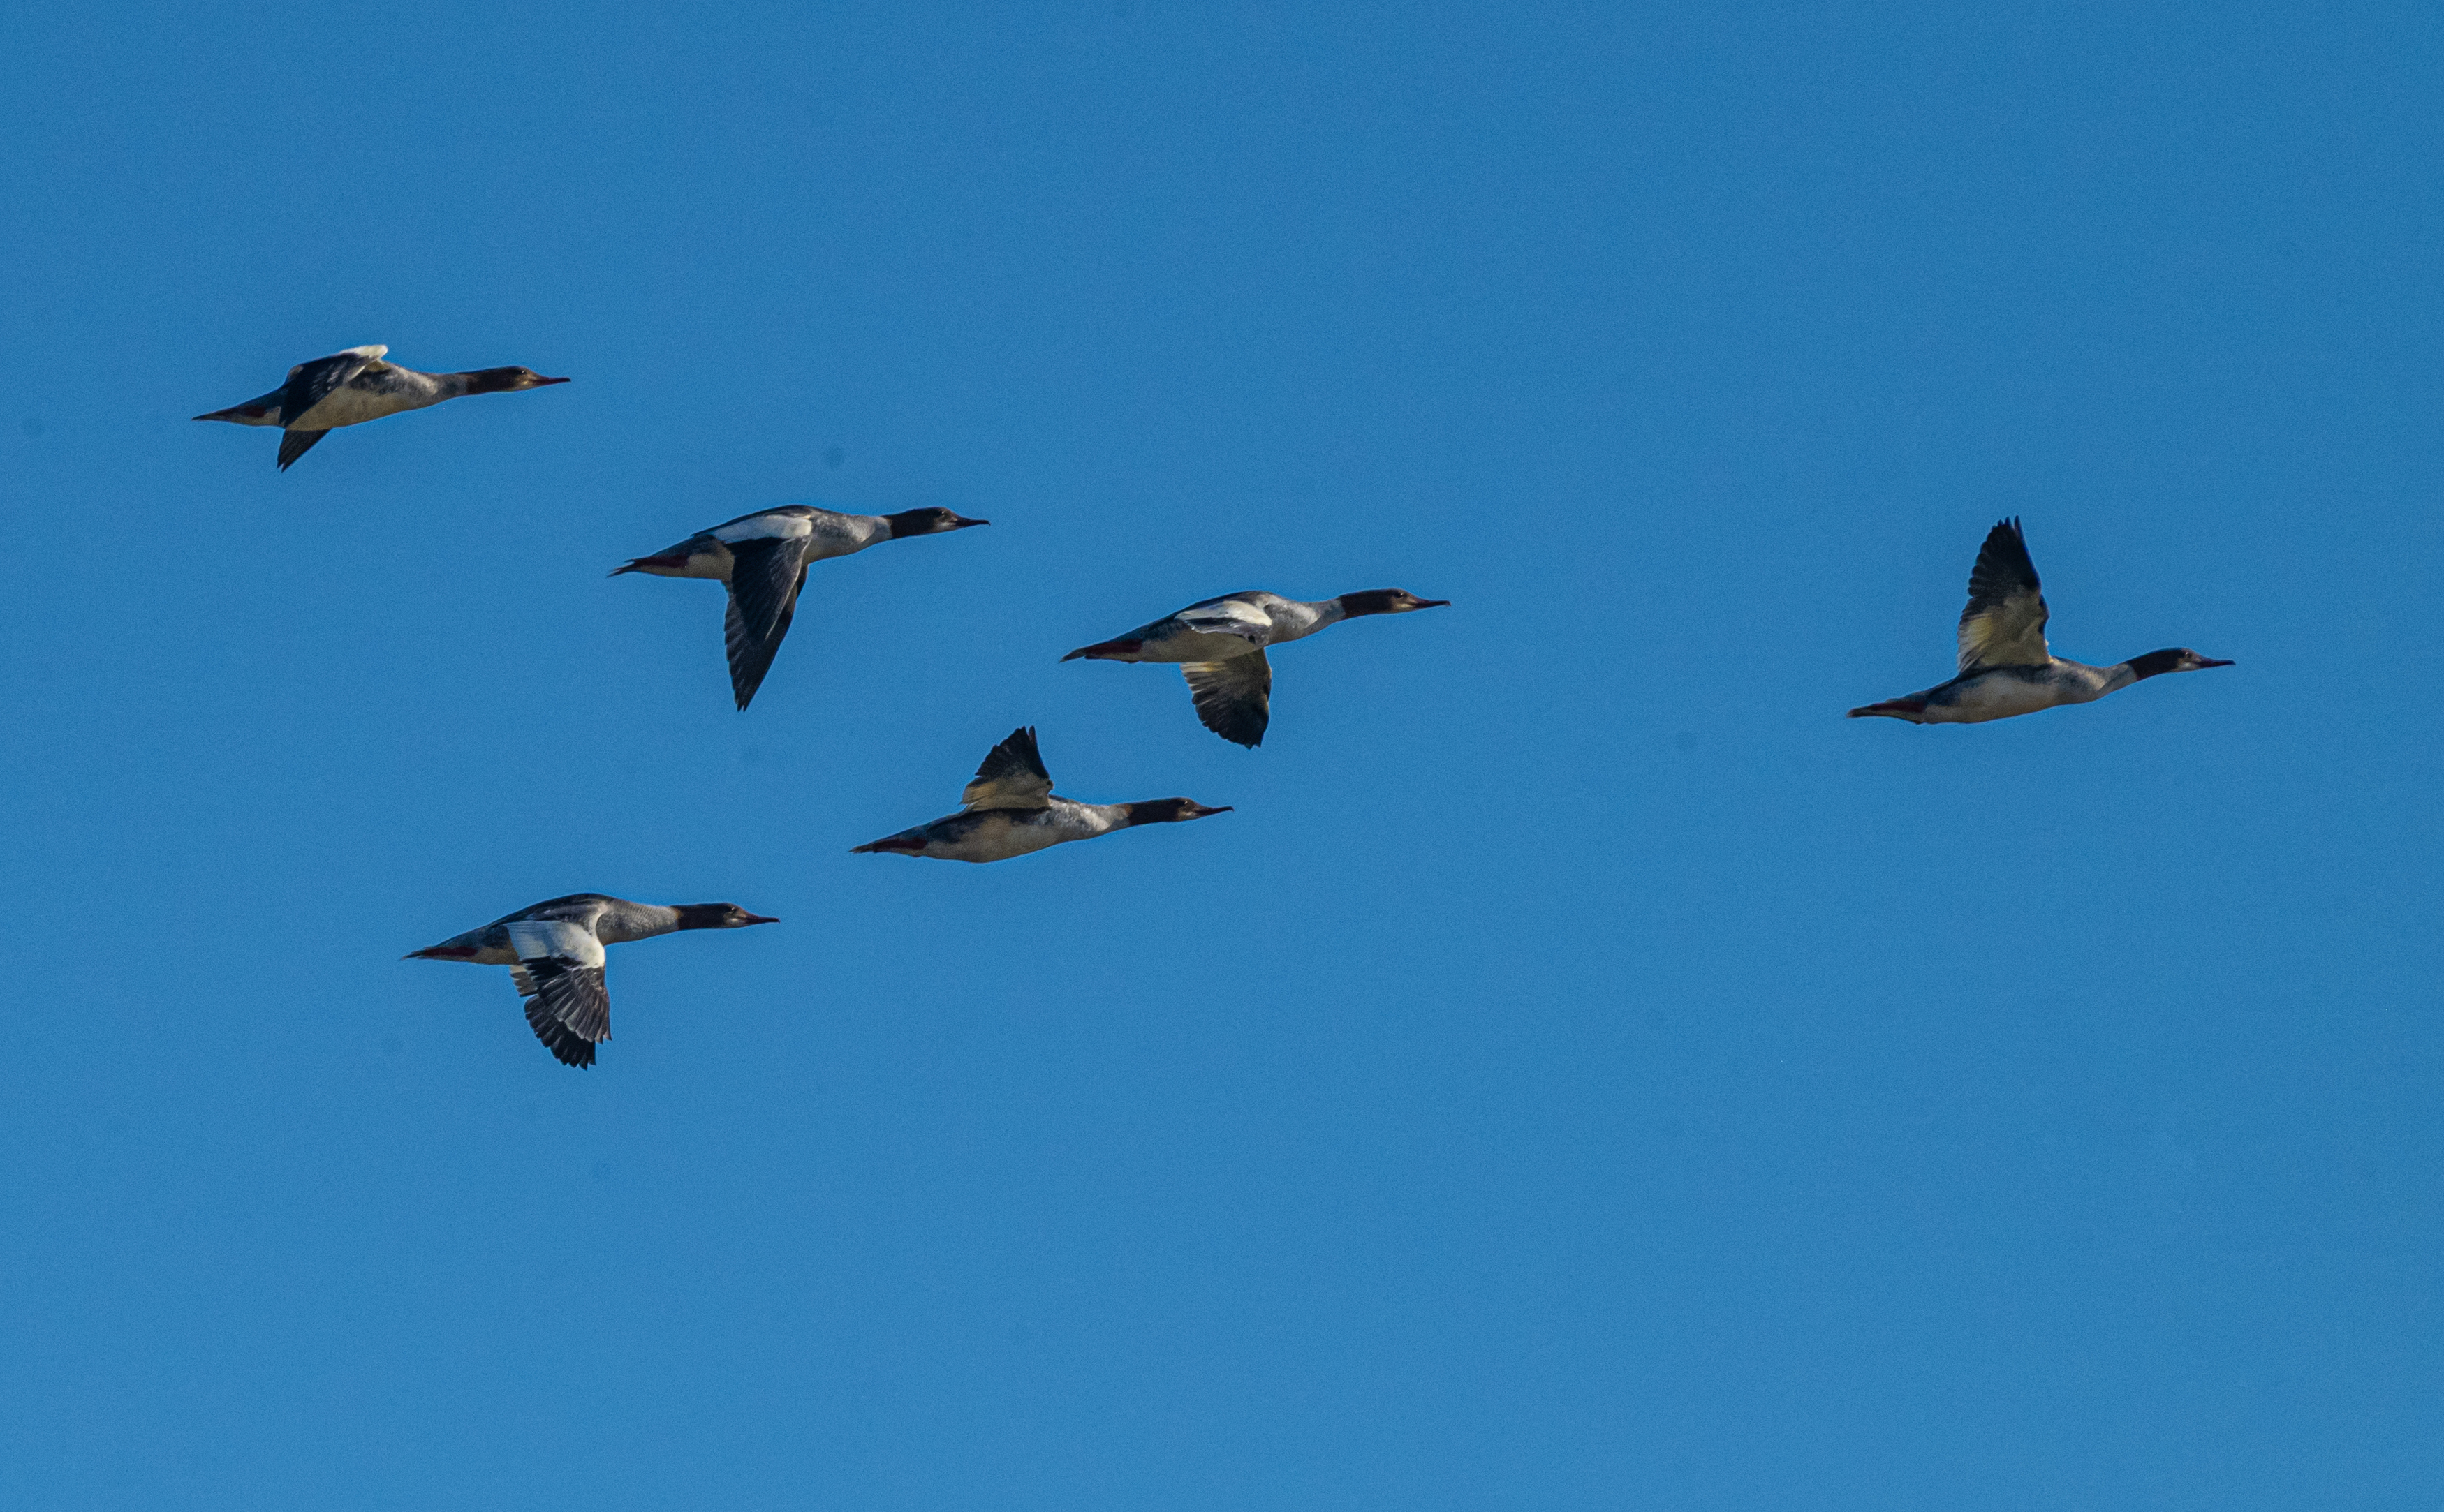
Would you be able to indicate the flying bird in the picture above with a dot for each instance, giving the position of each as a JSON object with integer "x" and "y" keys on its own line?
{"x": 762, "y": 558}
{"x": 1221, "y": 642}
{"x": 353, "y": 386}
{"x": 554, "y": 954}
{"x": 1010, "y": 811}
{"x": 2006, "y": 668}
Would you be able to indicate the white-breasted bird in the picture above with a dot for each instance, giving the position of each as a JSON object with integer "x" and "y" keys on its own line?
{"x": 353, "y": 386}
{"x": 1221, "y": 643}
{"x": 1010, "y": 811}
{"x": 762, "y": 558}
{"x": 554, "y": 954}
{"x": 2006, "y": 668}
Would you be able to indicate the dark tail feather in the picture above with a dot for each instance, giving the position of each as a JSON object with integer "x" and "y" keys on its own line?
{"x": 295, "y": 444}
{"x": 1890, "y": 705}
{"x": 888, "y": 844}
{"x": 239, "y": 414}
{"x": 1106, "y": 649}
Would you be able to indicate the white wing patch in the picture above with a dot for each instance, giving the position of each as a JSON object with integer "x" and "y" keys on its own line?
{"x": 765, "y": 527}
{"x": 369, "y": 353}
{"x": 554, "y": 939}
{"x": 1229, "y": 617}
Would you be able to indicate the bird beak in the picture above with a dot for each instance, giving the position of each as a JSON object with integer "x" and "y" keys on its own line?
{"x": 1202, "y": 811}
{"x": 757, "y": 918}
{"x": 1433, "y": 603}
{"x": 960, "y": 521}
{"x": 540, "y": 380}
{"x": 2205, "y": 662}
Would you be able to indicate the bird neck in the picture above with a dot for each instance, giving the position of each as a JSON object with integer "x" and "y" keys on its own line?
{"x": 2152, "y": 664}
{"x": 482, "y": 381}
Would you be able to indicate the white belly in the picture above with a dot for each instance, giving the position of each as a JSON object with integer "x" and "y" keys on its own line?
{"x": 995, "y": 839}
{"x": 1195, "y": 645}
{"x": 354, "y": 407}
{"x": 1995, "y": 698}
{"x": 1001, "y": 834}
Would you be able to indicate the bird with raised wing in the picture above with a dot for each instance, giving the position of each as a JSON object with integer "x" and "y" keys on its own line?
{"x": 1221, "y": 642}
{"x": 1010, "y": 811}
{"x": 762, "y": 559}
{"x": 2006, "y": 667}
{"x": 353, "y": 386}
{"x": 554, "y": 954}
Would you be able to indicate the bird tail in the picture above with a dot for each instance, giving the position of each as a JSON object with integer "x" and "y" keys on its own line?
{"x": 1895, "y": 707}
{"x": 251, "y": 412}
{"x": 1107, "y": 649}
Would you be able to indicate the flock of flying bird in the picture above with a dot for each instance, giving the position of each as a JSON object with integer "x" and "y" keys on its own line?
{"x": 554, "y": 949}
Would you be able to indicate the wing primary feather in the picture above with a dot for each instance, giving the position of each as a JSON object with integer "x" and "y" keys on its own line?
{"x": 295, "y": 444}
{"x": 765, "y": 577}
{"x": 750, "y": 655}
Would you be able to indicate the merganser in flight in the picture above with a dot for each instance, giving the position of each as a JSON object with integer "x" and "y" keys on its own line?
{"x": 554, "y": 954}
{"x": 1223, "y": 641}
{"x": 762, "y": 559}
{"x": 353, "y": 386}
{"x": 1010, "y": 811}
{"x": 2005, "y": 666}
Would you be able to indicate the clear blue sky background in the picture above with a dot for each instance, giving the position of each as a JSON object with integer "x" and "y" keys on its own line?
{"x": 1584, "y": 1070}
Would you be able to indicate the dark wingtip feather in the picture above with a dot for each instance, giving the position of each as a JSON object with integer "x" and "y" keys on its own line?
{"x": 566, "y": 1045}
{"x": 751, "y": 658}
{"x": 295, "y": 444}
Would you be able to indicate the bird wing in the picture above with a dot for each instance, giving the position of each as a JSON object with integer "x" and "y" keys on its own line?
{"x": 1012, "y": 776}
{"x": 1235, "y": 696}
{"x": 311, "y": 384}
{"x": 2004, "y": 622}
{"x": 560, "y": 974}
{"x": 750, "y": 653}
{"x": 765, "y": 575}
{"x": 1229, "y": 617}
{"x": 295, "y": 444}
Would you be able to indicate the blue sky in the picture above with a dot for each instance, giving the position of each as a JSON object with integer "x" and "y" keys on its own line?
{"x": 1583, "y": 1071}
